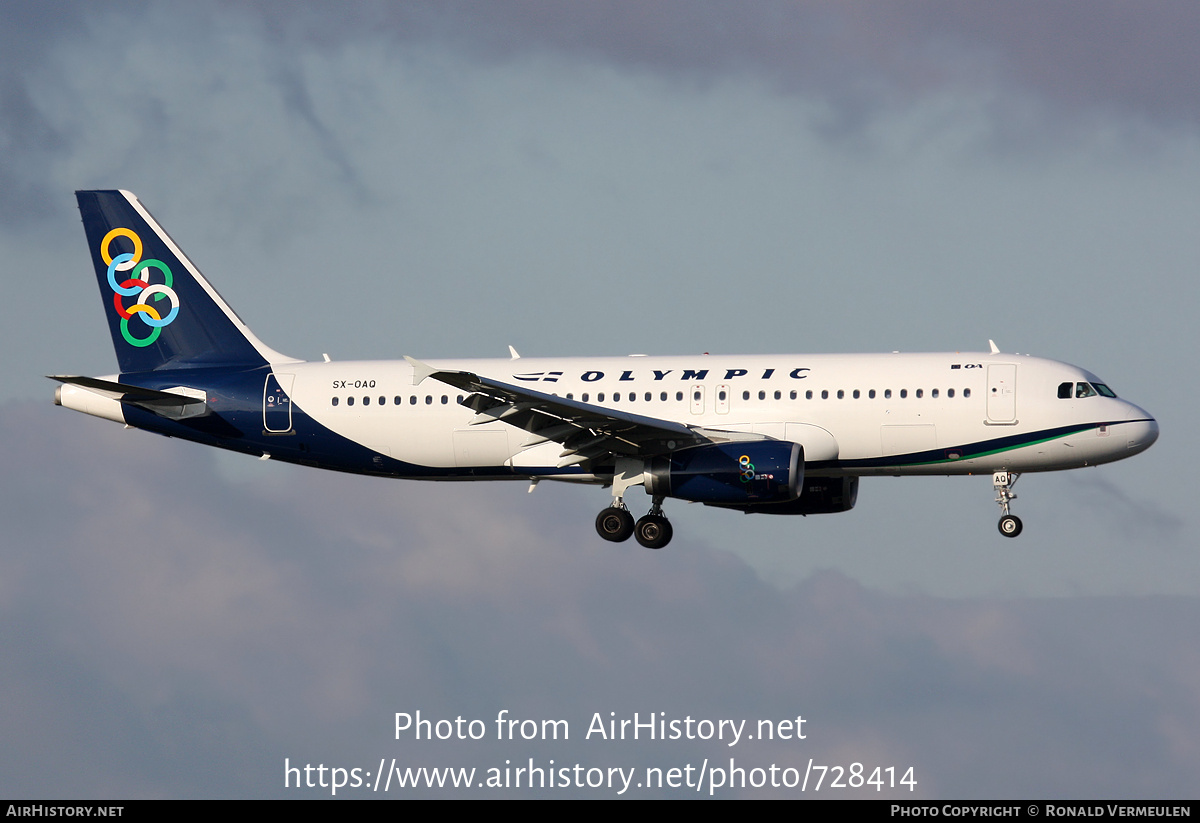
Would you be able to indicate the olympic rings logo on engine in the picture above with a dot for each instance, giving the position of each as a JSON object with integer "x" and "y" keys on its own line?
{"x": 138, "y": 283}
{"x": 747, "y": 468}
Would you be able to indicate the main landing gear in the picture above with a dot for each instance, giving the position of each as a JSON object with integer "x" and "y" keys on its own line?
{"x": 616, "y": 524}
{"x": 653, "y": 531}
{"x": 1010, "y": 525}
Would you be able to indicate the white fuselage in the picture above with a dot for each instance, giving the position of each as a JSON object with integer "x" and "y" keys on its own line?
{"x": 855, "y": 414}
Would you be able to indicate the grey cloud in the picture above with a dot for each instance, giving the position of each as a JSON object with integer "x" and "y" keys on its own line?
{"x": 28, "y": 30}
{"x": 862, "y": 60}
{"x": 859, "y": 58}
{"x": 1020, "y": 67}
{"x": 1109, "y": 54}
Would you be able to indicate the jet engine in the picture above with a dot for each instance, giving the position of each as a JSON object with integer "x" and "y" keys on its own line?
{"x": 732, "y": 474}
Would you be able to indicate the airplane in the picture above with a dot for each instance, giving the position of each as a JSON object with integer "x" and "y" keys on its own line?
{"x": 787, "y": 434}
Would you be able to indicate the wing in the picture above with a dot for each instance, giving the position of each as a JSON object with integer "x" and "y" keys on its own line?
{"x": 586, "y": 432}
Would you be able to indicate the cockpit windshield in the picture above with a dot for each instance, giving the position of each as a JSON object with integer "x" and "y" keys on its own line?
{"x": 1084, "y": 390}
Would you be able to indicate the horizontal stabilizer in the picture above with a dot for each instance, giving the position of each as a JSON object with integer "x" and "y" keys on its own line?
{"x": 171, "y": 405}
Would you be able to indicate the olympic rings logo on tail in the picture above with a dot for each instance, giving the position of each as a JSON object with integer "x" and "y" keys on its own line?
{"x": 138, "y": 283}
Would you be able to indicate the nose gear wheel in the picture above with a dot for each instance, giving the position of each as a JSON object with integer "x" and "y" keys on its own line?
{"x": 1010, "y": 525}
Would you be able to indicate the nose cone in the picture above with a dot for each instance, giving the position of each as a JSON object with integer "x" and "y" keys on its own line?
{"x": 1141, "y": 430}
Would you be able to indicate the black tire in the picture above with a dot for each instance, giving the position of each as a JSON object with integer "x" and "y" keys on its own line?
{"x": 1010, "y": 525}
{"x": 653, "y": 531}
{"x": 614, "y": 524}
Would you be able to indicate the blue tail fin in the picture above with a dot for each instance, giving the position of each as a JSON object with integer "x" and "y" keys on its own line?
{"x": 161, "y": 311}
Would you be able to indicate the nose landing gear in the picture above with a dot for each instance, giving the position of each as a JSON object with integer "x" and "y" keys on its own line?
{"x": 1010, "y": 525}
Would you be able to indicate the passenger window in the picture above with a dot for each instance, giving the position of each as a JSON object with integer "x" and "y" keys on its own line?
{"x": 762, "y": 395}
{"x": 793, "y": 395}
{"x": 949, "y": 392}
{"x": 824, "y": 394}
{"x": 745, "y": 395}
{"x": 663, "y": 397}
{"x": 920, "y": 393}
{"x": 903, "y": 393}
{"x": 585, "y": 397}
{"x": 679, "y": 395}
{"x": 600, "y": 397}
{"x": 841, "y": 394}
{"x": 412, "y": 400}
{"x": 856, "y": 394}
{"x": 429, "y": 400}
{"x": 966, "y": 392}
{"x": 887, "y": 394}
{"x": 808, "y": 395}
{"x": 349, "y": 401}
{"x": 778, "y": 395}
{"x": 366, "y": 401}
{"x": 871, "y": 394}
{"x": 396, "y": 400}
{"x": 445, "y": 399}
{"x": 649, "y": 397}
{"x": 335, "y": 401}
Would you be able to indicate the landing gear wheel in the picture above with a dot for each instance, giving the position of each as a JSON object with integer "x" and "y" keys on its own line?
{"x": 653, "y": 531}
{"x": 1010, "y": 525}
{"x": 615, "y": 524}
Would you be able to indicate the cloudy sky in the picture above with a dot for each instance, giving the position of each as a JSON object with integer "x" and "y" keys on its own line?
{"x": 438, "y": 180}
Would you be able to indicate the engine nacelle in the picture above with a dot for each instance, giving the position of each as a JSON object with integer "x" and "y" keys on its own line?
{"x": 761, "y": 471}
{"x": 819, "y": 495}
